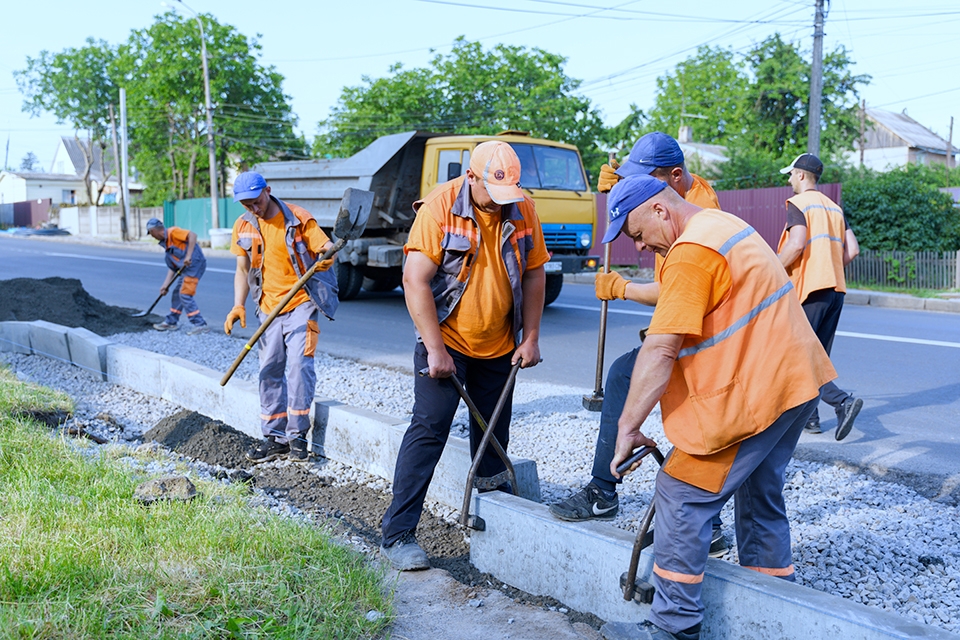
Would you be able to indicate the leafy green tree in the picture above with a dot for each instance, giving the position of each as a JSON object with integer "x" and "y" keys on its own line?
{"x": 77, "y": 87}
{"x": 469, "y": 90}
{"x": 900, "y": 211}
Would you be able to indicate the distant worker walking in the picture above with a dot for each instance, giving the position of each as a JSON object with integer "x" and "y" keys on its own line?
{"x": 276, "y": 243}
{"x": 816, "y": 244}
{"x": 181, "y": 250}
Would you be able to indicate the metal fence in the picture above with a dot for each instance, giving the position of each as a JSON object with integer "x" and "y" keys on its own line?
{"x": 194, "y": 214}
{"x": 906, "y": 269}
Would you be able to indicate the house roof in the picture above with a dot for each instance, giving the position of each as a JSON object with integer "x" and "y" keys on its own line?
{"x": 908, "y": 129}
{"x": 49, "y": 177}
{"x": 75, "y": 149}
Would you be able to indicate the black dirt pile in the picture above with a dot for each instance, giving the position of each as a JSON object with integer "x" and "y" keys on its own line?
{"x": 201, "y": 438}
{"x": 64, "y": 301}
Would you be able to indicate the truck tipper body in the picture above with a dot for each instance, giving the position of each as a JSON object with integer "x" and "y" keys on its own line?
{"x": 403, "y": 167}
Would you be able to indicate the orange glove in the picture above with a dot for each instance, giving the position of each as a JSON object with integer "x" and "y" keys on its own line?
{"x": 237, "y": 313}
{"x": 611, "y": 286}
{"x": 608, "y": 177}
{"x": 326, "y": 264}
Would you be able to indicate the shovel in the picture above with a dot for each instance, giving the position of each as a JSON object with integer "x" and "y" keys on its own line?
{"x": 634, "y": 589}
{"x": 351, "y": 221}
{"x": 147, "y": 312}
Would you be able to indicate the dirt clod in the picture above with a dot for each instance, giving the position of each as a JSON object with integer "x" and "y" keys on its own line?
{"x": 202, "y": 438}
{"x": 64, "y": 301}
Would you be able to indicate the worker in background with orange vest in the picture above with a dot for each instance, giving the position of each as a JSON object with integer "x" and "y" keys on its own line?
{"x": 180, "y": 252}
{"x": 276, "y": 243}
{"x": 737, "y": 371}
{"x": 659, "y": 155}
{"x": 816, "y": 244}
{"x": 474, "y": 285}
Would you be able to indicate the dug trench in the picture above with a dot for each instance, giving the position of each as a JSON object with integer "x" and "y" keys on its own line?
{"x": 350, "y": 509}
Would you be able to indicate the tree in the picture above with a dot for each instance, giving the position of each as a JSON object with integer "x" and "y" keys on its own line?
{"x": 76, "y": 86}
{"x": 29, "y": 162}
{"x": 469, "y": 90}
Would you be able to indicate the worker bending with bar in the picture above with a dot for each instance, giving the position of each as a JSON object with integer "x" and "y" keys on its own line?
{"x": 181, "y": 251}
{"x": 737, "y": 370}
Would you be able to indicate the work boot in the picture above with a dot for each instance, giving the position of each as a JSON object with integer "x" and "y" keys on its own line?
{"x": 165, "y": 326}
{"x": 589, "y": 503}
{"x": 646, "y": 630}
{"x": 718, "y": 543}
{"x": 405, "y": 554}
{"x": 197, "y": 329}
{"x": 813, "y": 424}
{"x": 267, "y": 450}
{"x": 846, "y": 414}
{"x": 298, "y": 450}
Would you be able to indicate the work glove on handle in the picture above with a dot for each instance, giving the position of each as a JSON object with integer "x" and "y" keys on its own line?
{"x": 326, "y": 264}
{"x": 237, "y": 313}
{"x": 611, "y": 286}
{"x": 608, "y": 176}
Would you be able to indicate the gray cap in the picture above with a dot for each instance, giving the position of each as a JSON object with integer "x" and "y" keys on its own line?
{"x": 153, "y": 223}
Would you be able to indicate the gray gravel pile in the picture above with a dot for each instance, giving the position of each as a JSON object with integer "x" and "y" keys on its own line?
{"x": 872, "y": 542}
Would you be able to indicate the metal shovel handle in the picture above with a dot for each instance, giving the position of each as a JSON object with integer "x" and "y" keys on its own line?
{"x": 628, "y": 587}
{"x": 159, "y": 297}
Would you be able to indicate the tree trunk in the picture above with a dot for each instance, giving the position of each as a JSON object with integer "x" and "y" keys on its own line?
{"x": 104, "y": 175}
{"x": 88, "y": 165}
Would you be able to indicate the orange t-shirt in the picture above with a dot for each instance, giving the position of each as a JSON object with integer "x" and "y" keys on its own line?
{"x": 694, "y": 281}
{"x": 177, "y": 237}
{"x": 481, "y": 325}
{"x": 701, "y": 194}
{"x": 277, "y": 271}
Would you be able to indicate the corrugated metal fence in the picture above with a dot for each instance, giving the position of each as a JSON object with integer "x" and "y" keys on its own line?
{"x": 906, "y": 270}
{"x": 194, "y": 214}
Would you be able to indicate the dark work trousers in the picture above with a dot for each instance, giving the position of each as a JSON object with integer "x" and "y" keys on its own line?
{"x": 614, "y": 399}
{"x": 434, "y": 405}
{"x": 823, "y": 309}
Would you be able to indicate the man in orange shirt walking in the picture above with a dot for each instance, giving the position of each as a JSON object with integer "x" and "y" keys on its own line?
{"x": 474, "y": 285}
{"x": 180, "y": 252}
{"x": 276, "y": 243}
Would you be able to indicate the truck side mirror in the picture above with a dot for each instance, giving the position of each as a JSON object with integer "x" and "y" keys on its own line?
{"x": 453, "y": 170}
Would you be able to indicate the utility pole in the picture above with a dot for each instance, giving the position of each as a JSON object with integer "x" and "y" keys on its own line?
{"x": 863, "y": 117}
{"x": 124, "y": 229}
{"x": 816, "y": 83}
{"x": 950, "y": 147}
{"x": 124, "y": 170}
{"x": 211, "y": 147}
{"x": 6, "y": 158}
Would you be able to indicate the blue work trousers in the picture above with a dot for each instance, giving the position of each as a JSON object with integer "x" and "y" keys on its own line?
{"x": 182, "y": 299}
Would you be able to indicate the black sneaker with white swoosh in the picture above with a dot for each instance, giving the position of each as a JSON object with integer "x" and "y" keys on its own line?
{"x": 587, "y": 504}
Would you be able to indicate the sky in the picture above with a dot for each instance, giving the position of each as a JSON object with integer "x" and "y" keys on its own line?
{"x": 617, "y": 48}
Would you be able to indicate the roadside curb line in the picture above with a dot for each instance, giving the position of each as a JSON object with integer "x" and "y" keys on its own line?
{"x": 523, "y": 546}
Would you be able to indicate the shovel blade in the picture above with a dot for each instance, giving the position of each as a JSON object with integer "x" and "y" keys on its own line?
{"x": 355, "y": 210}
{"x": 139, "y": 314}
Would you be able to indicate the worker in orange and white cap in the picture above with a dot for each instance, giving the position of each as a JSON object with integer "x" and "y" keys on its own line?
{"x": 474, "y": 285}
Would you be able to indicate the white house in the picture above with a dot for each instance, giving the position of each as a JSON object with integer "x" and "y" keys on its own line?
{"x": 894, "y": 140}
{"x": 20, "y": 186}
{"x": 70, "y": 157}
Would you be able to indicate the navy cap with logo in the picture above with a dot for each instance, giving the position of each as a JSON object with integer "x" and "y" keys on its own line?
{"x": 248, "y": 186}
{"x": 153, "y": 223}
{"x": 805, "y": 162}
{"x": 652, "y": 151}
{"x": 627, "y": 195}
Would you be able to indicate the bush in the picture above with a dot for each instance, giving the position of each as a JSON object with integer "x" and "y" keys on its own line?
{"x": 901, "y": 211}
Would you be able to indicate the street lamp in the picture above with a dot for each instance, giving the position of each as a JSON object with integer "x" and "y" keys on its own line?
{"x": 211, "y": 148}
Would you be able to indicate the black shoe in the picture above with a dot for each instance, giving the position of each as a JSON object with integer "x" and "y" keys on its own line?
{"x": 718, "y": 543}
{"x": 587, "y": 504}
{"x": 298, "y": 450}
{"x": 406, "y": 554}
{"x": 268, "y": 449}
{"x": 646, "y": 631}
{"x": 846, "y": 414}
{"x": 813, "y": 424}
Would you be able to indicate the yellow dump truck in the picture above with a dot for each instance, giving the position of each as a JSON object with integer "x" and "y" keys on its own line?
{"x": 403, "y": 167}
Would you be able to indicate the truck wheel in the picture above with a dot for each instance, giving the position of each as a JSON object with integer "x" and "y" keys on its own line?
{"x": 382, "y": 282}
{"x": 554, "y": 284}
{"x": 349, "y": 280}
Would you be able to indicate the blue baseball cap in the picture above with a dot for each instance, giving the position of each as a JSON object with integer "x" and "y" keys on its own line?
{"x": 248, "y": 186}
{"x": 153, "y": 223}
{"x": 627, "y": 195}
{"x": 650, "y": 152}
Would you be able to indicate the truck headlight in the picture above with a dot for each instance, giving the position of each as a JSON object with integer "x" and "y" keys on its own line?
{"x": 584, "y": 239}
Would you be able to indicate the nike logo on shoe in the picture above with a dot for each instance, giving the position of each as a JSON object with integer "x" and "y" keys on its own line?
{"x": 599, "y": 512}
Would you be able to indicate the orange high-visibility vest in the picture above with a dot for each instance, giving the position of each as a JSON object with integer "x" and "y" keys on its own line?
{"x": 820, "y": 266}
{"x": 701, "y": 194}
{"x": 757, "y": 356}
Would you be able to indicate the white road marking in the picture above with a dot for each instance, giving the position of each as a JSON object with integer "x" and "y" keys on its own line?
{"x": 873, "y": 336}
{"x": 152, "y": 263}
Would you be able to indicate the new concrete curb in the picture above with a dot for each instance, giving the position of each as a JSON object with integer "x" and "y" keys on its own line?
{"x": 579, "y": 564}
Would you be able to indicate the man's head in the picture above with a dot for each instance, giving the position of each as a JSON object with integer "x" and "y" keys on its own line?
{"x": 659, "y": 155}
{"x": 804, "y": 172}
{"x": 494, "y": 176}
{"x": 155, "y": 228}
{"x": 251, "y": 190}
{"x": 647, "y": 211}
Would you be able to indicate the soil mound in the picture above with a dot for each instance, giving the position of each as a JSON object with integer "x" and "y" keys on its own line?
{"x": 64, "y": 301}
{"x": 202, "y": 438}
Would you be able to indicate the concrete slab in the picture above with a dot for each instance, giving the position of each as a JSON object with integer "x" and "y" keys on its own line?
{"x": 135, "y": 368}
{"x": 895, "y": 301}
{"x": 939, "y": 304}
{"x": 856, "y": 297}
{"x": 241, "y": 407}
{"x": 580, "y": 565}
{"x": 191, "y": 386}
{"x": 15, "y": 337}
{"x": 50, "y": 340}
{"x": 88, "y": 350}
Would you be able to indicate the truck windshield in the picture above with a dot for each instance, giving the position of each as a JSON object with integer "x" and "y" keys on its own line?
{"x": 543, "y": 167}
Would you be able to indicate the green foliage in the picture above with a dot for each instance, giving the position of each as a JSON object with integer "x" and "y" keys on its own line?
{"x": 900, "y": 211}
{"x": 471, "y": 91}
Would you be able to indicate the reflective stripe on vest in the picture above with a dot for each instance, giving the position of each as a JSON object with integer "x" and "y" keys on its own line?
{"x": 756, "y": 356}
{"x": 820, "y": 266}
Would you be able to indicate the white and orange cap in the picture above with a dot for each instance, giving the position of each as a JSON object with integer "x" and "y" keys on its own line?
{"x": 497, "y": 164}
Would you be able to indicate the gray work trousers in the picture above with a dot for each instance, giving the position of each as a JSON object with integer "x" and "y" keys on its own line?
{"x": 288, "y": 378}
{"x": 684, "y": 514}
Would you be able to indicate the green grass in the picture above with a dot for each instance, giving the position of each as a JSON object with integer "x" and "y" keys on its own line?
{"x": 79, "y": 558}
{"x": 920, "y": 293}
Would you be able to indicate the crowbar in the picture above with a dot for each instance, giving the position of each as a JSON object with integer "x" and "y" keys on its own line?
{"x": 632, "y": 589}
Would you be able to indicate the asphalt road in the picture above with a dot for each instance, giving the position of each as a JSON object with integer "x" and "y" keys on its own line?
{"x": 904, "y": 364}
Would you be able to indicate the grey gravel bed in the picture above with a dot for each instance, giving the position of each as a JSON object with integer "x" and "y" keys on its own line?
{"x": 873, "y": 542}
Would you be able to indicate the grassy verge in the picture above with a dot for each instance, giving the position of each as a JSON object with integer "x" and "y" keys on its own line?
{"x": 79, "y": 558}
{"x": 920, "y": 293}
